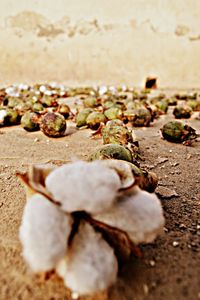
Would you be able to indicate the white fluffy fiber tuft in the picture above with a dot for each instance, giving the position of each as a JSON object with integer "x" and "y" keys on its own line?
{"x": 88, "y": 186}
{"x": 139, "y": 214}
{"x": 90, "y": 265}
{"x": 44, "y": 233}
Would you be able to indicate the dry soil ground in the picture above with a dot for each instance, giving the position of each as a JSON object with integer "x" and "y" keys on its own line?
{"x": 170, "y": 267}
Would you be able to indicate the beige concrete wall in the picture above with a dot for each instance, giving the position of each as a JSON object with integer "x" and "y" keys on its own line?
{"x": 100, "y": 41}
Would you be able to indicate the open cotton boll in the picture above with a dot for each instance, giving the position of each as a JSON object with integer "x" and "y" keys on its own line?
{"x": 44, "y": 233}
{"x": 88, "y": 186}
{"x": 138, "y": 214}
{"x": 90, "y": 265}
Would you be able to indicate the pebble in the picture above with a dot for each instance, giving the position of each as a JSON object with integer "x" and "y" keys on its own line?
{"x": 182, "y": 226}
{"x": 36, "y": 140}
{"x": 74, "y": 295}
{"x": 152, "y": 263}
{"x": 174, "y": 164}
{"x": 164, "y": 192}
{"x": 166, "y": 229}
{"x": 175, "y": 244}
{"x": 146, "y": 289}
{"x": 162, "y": 160}
{"x": 193, "y": 244}
{"x": 153, "y": 285}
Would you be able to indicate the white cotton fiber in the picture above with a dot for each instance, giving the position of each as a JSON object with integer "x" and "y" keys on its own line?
{"x": 139, "y": 214}
{"x": 44, "y": 233}
{"x": 90, "y": 265}
{"x": 88, "y": 186}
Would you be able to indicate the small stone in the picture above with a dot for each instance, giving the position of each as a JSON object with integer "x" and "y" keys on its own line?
{"x": 146, "y": 289}
{"x": 170, "y": 151}
{"x": 166, "y": 229}
{"x": 182, "y": 226}
{"x": 198, "y": 226}
{"x": 152, "y": 263}
{"x": 175, "y": 164}
{"x": 162, "y": 160}
{"x": 36, "y": 140}
{"x": 74, "y": 295}
{"x": 153, "y": 285}
{"x": 175, "y": 244}
{"x": 162, "y": 167}
{"x": 164, "y": 192}
{"x": 193, "y": 244}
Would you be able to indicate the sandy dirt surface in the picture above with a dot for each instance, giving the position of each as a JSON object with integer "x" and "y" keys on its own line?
{"x": 167, "y": 271}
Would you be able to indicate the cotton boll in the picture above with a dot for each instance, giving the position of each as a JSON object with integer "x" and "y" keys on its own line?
{"x": 90, "y": 265}
{"x": 88, "y": 186}
{"x": 139, "y": 214}
{"x": 44, "y": 233}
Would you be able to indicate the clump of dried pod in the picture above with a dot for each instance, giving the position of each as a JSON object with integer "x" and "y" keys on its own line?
{"x": 115, "y": 151}
{"x": 9, "y": 117}
{"x": 182, "y": 112}
{"x": 30, "y": 121}
{"x": 115, "y": 132}
{"x": 94, "y": 120}
{"x": 64, "y": 110}
{"x": 142, "y": 117}
{"x": 53, "y": 124}
{"x": 81, "y": 117}
{"x": 178, "y": 132}
{"x": 80, "y": 217}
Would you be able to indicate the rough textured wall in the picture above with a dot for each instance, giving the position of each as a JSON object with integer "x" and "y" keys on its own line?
{"x": 100, "y": 41}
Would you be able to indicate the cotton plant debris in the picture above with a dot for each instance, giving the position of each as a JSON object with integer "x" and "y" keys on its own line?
{"x": 93, "y": 105}
{"x": 178, "y": 132}
{"x": 80, "y": 216}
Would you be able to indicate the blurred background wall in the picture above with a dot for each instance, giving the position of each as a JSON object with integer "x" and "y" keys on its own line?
{"x": 100, "y": 41}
